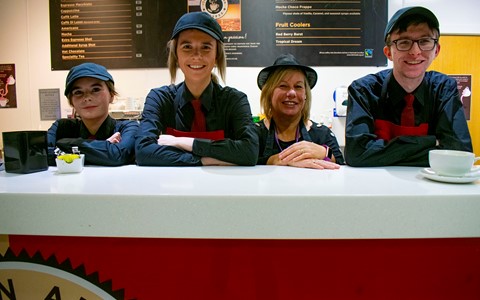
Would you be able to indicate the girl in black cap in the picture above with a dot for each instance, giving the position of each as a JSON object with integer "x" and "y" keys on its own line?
{"x": 196, "y": 122}
{"x": 287, "y": 136}
{"x": 105, "y": 141}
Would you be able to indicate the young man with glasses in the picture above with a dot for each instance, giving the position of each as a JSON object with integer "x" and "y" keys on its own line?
{"x": 396, "y": 116}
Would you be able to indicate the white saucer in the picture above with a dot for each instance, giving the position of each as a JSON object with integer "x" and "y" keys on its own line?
{"x": 470, "y": 177}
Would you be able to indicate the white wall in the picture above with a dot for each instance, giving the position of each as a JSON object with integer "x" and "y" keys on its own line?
{"x": 26, "y": 43}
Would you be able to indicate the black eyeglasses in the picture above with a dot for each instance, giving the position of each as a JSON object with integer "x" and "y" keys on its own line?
{"x": 425, "y": 44}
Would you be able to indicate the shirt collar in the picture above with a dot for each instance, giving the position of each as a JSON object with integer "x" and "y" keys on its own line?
{"x": 103, "y": 133}
{"x": 205, "y": 98}
{"x": 396, "y": 89}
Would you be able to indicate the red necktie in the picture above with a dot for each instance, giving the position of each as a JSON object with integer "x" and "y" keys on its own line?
{"x": 408, "y": 114}
{"x": 198, "y": 124}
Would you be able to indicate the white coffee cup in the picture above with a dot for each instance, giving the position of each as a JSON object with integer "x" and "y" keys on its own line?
{"x": 452, "y": 163}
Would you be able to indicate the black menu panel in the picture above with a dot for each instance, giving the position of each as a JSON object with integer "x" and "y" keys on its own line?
{"x": 134, "y": 33}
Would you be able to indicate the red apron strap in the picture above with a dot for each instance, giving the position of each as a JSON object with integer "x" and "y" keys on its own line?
{"x": 386, "y": 130}
{"x": 210, "y": 135}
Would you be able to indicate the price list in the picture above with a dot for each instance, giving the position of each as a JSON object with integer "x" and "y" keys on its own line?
{"x": 91, "y": 31}
{"x": 109, "y": 32}
{"x": 332, "y": 32}
{"x": 317, "y": 24}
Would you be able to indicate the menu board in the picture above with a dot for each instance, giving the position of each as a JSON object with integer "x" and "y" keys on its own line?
{"x": 134, "y": 33}
{"x": 115, "y": 33}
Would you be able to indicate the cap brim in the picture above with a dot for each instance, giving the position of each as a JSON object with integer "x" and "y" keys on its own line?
{"x": 203, "y": 29}
{"x": 264, "y": 73}
{"x": 68, "y": 88}
{"x": 409, "y": 11}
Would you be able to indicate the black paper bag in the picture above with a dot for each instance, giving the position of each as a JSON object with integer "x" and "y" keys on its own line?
{"x": 25, "y": 151}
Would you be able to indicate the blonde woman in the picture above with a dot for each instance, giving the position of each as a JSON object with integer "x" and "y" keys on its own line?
{"x": 220, "y": 131}
{"x": 287, "y": 135}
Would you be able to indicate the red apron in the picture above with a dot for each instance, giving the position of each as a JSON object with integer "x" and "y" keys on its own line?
{"x": 215, "y": 135}
{"x": 387, "y": 130}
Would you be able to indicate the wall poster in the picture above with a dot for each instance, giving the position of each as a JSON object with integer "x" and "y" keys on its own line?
{"x": 464, "y": 84}
{"x": 8, "y": 93}
{"x": 49, "y": 104}
{"x": 134, "y": 33}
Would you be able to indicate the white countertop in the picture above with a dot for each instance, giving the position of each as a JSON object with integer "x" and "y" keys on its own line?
{"x": 238, "y": 202}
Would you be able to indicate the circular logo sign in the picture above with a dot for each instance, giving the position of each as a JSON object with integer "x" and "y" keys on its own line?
{"x": 216, "y": 8}
{"x": 25, "y": 277}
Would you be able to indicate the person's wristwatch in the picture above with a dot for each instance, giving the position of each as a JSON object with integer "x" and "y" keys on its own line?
{"x": 329, "y": 153}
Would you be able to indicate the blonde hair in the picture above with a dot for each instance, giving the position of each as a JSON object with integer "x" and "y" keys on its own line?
{"x": 172, "y": 61}
{"x": 273, "y": 81}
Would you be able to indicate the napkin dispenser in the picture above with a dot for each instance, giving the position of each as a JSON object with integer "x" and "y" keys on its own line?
{"x": 25, "y": 151}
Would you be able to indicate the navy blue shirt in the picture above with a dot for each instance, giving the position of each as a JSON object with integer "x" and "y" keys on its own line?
{"x": 380, "y": 97}
{"x": 225, "y": 108}
{"x": 68, "y": 133}
{"x": 318, "y": 134}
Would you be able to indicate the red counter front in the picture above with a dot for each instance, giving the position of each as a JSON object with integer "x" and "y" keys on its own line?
{"x": 277, "y": 233}
{"x": 271, "y": 269}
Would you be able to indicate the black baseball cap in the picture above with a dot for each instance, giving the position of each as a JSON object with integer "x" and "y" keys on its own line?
{"x": 409, "y": 11}
{"x": 201, "y": 21}
{"x": 86, "y": 70}
{"x": 287, "y": 60}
